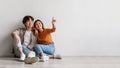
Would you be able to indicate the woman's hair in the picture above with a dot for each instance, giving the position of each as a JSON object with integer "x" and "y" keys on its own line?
{"x": 26, "y": 18}
{"x": 40, "y": 22}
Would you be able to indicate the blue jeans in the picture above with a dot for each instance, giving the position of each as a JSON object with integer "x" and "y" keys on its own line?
{"x": 46, "y": 49}
{"x": 26, "y": 51}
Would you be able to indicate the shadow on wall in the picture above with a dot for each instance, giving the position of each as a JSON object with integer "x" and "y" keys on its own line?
{"x": 6, "y": 42}
{"x": 6, "y": 46}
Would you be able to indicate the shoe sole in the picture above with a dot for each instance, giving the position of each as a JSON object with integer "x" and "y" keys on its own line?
{"x": 31, "y": 60}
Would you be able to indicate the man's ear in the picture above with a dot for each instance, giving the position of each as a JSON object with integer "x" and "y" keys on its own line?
{"x": 24, "y": 24}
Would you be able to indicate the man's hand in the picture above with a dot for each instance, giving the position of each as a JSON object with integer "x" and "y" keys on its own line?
{"x": 31, "y": 48}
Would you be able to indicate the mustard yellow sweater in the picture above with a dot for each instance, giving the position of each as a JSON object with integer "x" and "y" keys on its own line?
{"x": 45, "y": 37}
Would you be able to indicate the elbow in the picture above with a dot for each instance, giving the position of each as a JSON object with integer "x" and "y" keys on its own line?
{"x": 12, "y": 34}
{"x": 54, "y": 29}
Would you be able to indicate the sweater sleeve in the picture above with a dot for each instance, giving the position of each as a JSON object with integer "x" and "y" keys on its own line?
{"x": 51, "y": 30}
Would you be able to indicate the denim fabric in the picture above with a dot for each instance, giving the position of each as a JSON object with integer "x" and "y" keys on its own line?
{"x": 47, "y": 49}
{"x": 26, "y": 50}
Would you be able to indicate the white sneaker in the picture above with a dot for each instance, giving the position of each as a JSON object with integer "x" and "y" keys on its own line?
{"x": 31, "y": 54}
{"x": 45, "y": 58}
{"x": 22, "y": 57}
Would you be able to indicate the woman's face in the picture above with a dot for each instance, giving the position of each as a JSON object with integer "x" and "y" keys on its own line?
{"x": 38, "y": 25}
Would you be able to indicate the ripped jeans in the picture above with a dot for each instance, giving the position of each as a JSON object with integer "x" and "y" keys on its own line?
{"x": 25, "y": 49}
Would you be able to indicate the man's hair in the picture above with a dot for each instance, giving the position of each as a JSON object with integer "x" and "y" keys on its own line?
{"x": 26, "y": 18}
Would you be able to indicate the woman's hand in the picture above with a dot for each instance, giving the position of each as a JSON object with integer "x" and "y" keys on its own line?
{"x": 36, "y": 32}
{"x": 53, "y": 20}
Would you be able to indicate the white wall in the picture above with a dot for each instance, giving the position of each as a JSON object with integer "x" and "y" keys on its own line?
{"x": 84, "y": 27}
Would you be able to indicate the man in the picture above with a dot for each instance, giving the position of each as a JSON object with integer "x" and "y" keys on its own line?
{"x": 23, "y": 40}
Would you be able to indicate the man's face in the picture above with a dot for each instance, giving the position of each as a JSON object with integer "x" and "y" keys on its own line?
{"x": 29, "y": 23}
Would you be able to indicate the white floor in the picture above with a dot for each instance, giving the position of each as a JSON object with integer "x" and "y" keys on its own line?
{"x": 66, "y": 62}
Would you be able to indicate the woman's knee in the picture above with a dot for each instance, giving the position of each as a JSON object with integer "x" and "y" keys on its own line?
{"x": 52, "y": 52}
{"x": 37, "y": 48}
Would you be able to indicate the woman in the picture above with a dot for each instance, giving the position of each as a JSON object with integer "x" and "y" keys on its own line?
{"x": 45, "y": 44}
